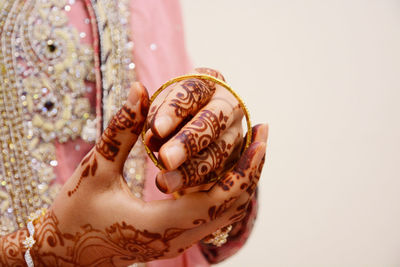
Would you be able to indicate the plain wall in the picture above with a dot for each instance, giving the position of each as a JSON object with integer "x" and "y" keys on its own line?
{"x": 326, "y": 76}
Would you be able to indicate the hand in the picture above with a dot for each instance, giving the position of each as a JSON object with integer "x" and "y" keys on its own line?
{"x": 196, "y": 126}
{"x": 96, "y": 221}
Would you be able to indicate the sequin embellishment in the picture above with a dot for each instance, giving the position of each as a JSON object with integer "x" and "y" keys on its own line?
{"x": 44, "y": 69}
{"x": 45, "y": 75}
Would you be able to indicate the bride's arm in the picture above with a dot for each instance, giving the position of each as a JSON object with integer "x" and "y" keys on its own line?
{"x": 95, "y": 220}
{"x": 11, "y": 248}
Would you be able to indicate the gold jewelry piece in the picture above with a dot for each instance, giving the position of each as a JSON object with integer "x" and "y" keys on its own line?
{"x": 219, "y": 237}
{"x": 203, "y": 77}
{"x": 29, "y": 240}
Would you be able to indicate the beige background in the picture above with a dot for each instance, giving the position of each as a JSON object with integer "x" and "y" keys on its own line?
{"x": 325, "y": 75}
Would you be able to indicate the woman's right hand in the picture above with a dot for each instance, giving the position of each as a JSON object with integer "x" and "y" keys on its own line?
{"x": 96, "y": 220}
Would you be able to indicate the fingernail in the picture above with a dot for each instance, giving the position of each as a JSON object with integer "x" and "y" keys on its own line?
{"x": 172, "y": 156}
{"x": 260, "y": 133}
{"x": 162, "y": 125}
{"x": 252, "y": 155}
{"x": 263, "y": 147}
{"x": 160, "y": 183}
{"x": 173, "y": 180}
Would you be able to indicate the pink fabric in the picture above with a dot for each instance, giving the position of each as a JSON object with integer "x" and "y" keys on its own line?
{"x": 70, "y": 154}
{"x": 159, "y": 23}
{"x": 159, "y": 54}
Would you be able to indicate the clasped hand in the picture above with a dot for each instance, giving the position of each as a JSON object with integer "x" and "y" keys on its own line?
{"x": 96, "y": 220}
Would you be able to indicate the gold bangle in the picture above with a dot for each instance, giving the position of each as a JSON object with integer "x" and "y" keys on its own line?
{"x": 205, "y": 77}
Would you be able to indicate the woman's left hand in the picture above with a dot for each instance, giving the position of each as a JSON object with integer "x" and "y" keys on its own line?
{"x": 196, "y": 126}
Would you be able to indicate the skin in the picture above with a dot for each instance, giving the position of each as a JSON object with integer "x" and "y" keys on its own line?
{"x": 197, "y": 131}
{"x": 96, "y": 221}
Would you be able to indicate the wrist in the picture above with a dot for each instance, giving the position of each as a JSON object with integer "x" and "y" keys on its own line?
{"x": 50, "y": 248}
{"x": 30, "y": 241}
{"x": 11, "y": 248}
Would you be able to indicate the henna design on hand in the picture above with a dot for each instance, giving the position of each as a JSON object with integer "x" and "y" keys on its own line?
{"x": 199, "y": 221}
{"x": 87, "y": 158}
{"x": 196, "y": 94}
{"x": 112, "y": 246}
{"x": 94, "y": 166}
{"x": 236, "y": 239}
{"x": 11, "y": 253}
{"x": 202, "y": 131}
{"x": 200, "y": 168}
{"x": 227, "y": 182}
{"x": 90, "y": 168}
{"x": 243, "y": 171}
{"x": 152, "y": 112}
{"x": 238, "y": 172}
{"x": 108, "y": 145}
{"x": 255, "y": 175}
{"x": 215, "y": 212}
{"x": 210, "y": 72}
{"x": 242, "y": 209}
{"x": 155, "y": 142}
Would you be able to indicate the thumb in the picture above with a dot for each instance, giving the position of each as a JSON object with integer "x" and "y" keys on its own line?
{"x": 124, "y": 128}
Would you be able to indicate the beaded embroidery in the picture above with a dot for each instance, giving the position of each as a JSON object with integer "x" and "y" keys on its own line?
{"x": 117, "y": 71}
{"x": 44, "y": 70}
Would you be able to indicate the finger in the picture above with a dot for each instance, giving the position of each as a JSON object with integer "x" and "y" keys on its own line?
{"x": 203, "y": 166}
{"x": 196, "y": 215}
{"x": 184, "y": 99}
{"x": 192, "y": 175}
{"x": 237, "y": 211}
{"x": 238, "y": 180}
{"x": 211, "y": 204}
{"x": 260, "y": 134}
{"x": 241, "y": 209}
{"x": 199, "y": 208}
{"x": 233, "y": 217}
{"x": 210, "y": 72}
{"x": 124, "y": 128}
{"x": 161, "y": 97}
{"x": 156, "y": 103}
{"x": 154, "y": 142}
{"x": 207, "y": 126}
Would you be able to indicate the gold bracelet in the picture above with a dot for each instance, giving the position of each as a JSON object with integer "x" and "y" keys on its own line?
{"x": 29, "y": 240}
{"x": 204, "y": 77}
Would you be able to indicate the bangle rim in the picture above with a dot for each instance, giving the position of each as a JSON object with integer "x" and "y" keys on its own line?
{"x": 150, "y": 153}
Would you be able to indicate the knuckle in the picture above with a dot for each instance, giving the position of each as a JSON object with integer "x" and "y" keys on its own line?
{"x": 191, "y": 96}
{"x": 188, "y": 140}
{"x": 205, "y": 128}
{"x": 211, "y": 72}
{"x": 152, "y": 112}
{"x": 191, "y": 175}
